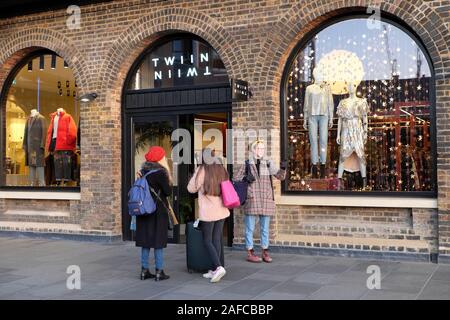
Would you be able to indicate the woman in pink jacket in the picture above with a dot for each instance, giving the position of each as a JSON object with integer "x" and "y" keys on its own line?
{"x": 212, "y": 213}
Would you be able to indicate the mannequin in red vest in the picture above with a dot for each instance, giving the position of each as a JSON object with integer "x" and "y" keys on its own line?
{"x": 61, "y": 141}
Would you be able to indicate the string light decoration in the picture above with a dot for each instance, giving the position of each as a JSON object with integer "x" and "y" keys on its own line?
{"x": 395, "y": 80}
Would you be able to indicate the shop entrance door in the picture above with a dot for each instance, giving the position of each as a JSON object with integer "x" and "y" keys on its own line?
{"x": 147, "y": 129}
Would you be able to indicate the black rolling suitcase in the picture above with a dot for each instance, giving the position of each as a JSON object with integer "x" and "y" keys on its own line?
{"x": 197, "y": 256}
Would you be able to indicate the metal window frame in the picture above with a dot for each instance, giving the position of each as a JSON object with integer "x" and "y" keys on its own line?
{"x": 3, "y": 96}
{"x": 351, "y": 14}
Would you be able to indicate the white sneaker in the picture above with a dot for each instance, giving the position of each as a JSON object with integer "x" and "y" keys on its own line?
{"x": 218, "y": 274}
{"x": 208, "y": 275}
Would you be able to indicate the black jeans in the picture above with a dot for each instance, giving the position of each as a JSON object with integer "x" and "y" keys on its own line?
{"x": 63, "y": 165}
{"x": 212, "y": 238}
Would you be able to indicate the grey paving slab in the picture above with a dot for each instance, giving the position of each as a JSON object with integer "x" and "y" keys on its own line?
{"x": 355, "y": 277}
{"x": 302, "y": 262}
{"x": 338, "y": 292}
{"x": 235, "y": 273}
{"x": 270, "y": 276}
{"x": 182, "y": 276}
{"x": 198, "y": 289}
{"x": 289, "y": 270}
{"x": 297, "y": 288}
{"x": 271, "y": 295}
{"x": 313, "y": 277}
{"x": 330, "y": 268}
{"x": 228, "y": 296}
{"x": 47, "y": 292}
{"x": 42, "y": 277}
{"x": 250, "y": 287}
{"x": 7, "y": 277}
{"x": 8, "y": 289}
{"x": 436, "y": 290}
{"x": 388, "y": 295}
{"x": 385, "y": 266}
{"x": 404, "y": 282}
{"x": 419, "y": 268}
{"x": 76, "y": 295}
{"x": 106, "y": 287}
{"x": 141, "y": 291}
{"x": 176, "y": 296}
{"x": 442, "y": 274}
{"x": 223, "y": 283}
{"x": 22, "y": 296}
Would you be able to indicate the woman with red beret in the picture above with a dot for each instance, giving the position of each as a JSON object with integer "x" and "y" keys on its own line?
{"x": 151, "y": 230}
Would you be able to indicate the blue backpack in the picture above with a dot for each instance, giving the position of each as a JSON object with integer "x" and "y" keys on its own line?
{"x": 140, "y": 200}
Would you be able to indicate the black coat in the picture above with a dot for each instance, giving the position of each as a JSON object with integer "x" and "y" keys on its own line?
{"x": 34, "y": 141}
{"x": 152, "y": 229}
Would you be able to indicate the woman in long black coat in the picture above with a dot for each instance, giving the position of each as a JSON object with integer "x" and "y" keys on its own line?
{"x": 152, "y": 229}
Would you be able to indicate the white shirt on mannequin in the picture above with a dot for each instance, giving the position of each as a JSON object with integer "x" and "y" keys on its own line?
{"x": 55, "y": 123}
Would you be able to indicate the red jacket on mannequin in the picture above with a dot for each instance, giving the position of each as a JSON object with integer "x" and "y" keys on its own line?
{"x": 67, "y": 132}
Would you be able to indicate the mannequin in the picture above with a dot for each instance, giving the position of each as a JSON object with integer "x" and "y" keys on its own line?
{"x": 34, "y": 144}
{"x": 352, "y": 133}
{"x": 61, "y": 143}
{"x": 318, "y": 113}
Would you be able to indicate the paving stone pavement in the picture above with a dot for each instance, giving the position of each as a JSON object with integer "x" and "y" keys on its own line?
{"x": 37, "y": 270}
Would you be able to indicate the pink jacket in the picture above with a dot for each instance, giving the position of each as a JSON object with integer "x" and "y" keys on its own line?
{"x": 211, "y": 207}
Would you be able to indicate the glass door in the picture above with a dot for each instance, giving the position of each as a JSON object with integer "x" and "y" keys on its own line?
{"x": 146, "y": 132}
{"x": 143, "y": 131}
{"x": 206, "y": 130}
{"x": 210, "y": 131}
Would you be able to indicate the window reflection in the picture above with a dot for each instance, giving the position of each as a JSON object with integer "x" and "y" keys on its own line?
{"x": 390, "y": 76}
{"x": 37, "y": 150}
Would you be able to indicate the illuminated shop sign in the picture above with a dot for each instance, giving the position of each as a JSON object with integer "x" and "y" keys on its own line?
{"x": 181, "y": 66}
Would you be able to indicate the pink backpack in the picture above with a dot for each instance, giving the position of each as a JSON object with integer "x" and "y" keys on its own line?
{"x": 230, "y": 197}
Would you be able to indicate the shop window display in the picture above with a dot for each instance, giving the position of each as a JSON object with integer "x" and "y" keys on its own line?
{"x": 41, "y": 119}
{"x": 358, "y": 111}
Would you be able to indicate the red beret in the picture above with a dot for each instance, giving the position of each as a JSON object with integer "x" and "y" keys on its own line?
{"x": 155, "y": 154}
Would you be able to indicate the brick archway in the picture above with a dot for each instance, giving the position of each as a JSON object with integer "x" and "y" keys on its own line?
{"x": 305, "y": 16}
{"x": 110, "y": 82}
{"x": 26, "y": 41}
{"x": 147, "y": 29}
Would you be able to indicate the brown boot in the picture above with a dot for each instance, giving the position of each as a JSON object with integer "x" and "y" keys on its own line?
{"x": 265, "y": 256}
{"x": 252, "y": 257}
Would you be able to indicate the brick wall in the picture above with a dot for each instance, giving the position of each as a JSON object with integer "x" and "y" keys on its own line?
{"x": 254, "y": 40}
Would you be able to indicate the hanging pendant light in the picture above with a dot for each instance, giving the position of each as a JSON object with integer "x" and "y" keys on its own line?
{"x": 30, "y": 66}
{"x": 65, "y": 65}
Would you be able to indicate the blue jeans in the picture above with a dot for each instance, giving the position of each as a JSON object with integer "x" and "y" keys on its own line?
{"x": 264, "y": 223}
{"x": 318, "y": 123}
{"x": 159, "y": 260}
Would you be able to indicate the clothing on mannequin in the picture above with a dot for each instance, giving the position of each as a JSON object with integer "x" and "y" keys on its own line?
{"x": 61, "y": 142}
{"x": 352, "y": 133}
{"x": 318, "y": 113}
{"x": 34, "y": 144}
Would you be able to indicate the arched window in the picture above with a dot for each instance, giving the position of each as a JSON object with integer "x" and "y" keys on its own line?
{"x": 358, "y": 111}
{"x": 179, "y": 61}
{"x": 40, "y": 114}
